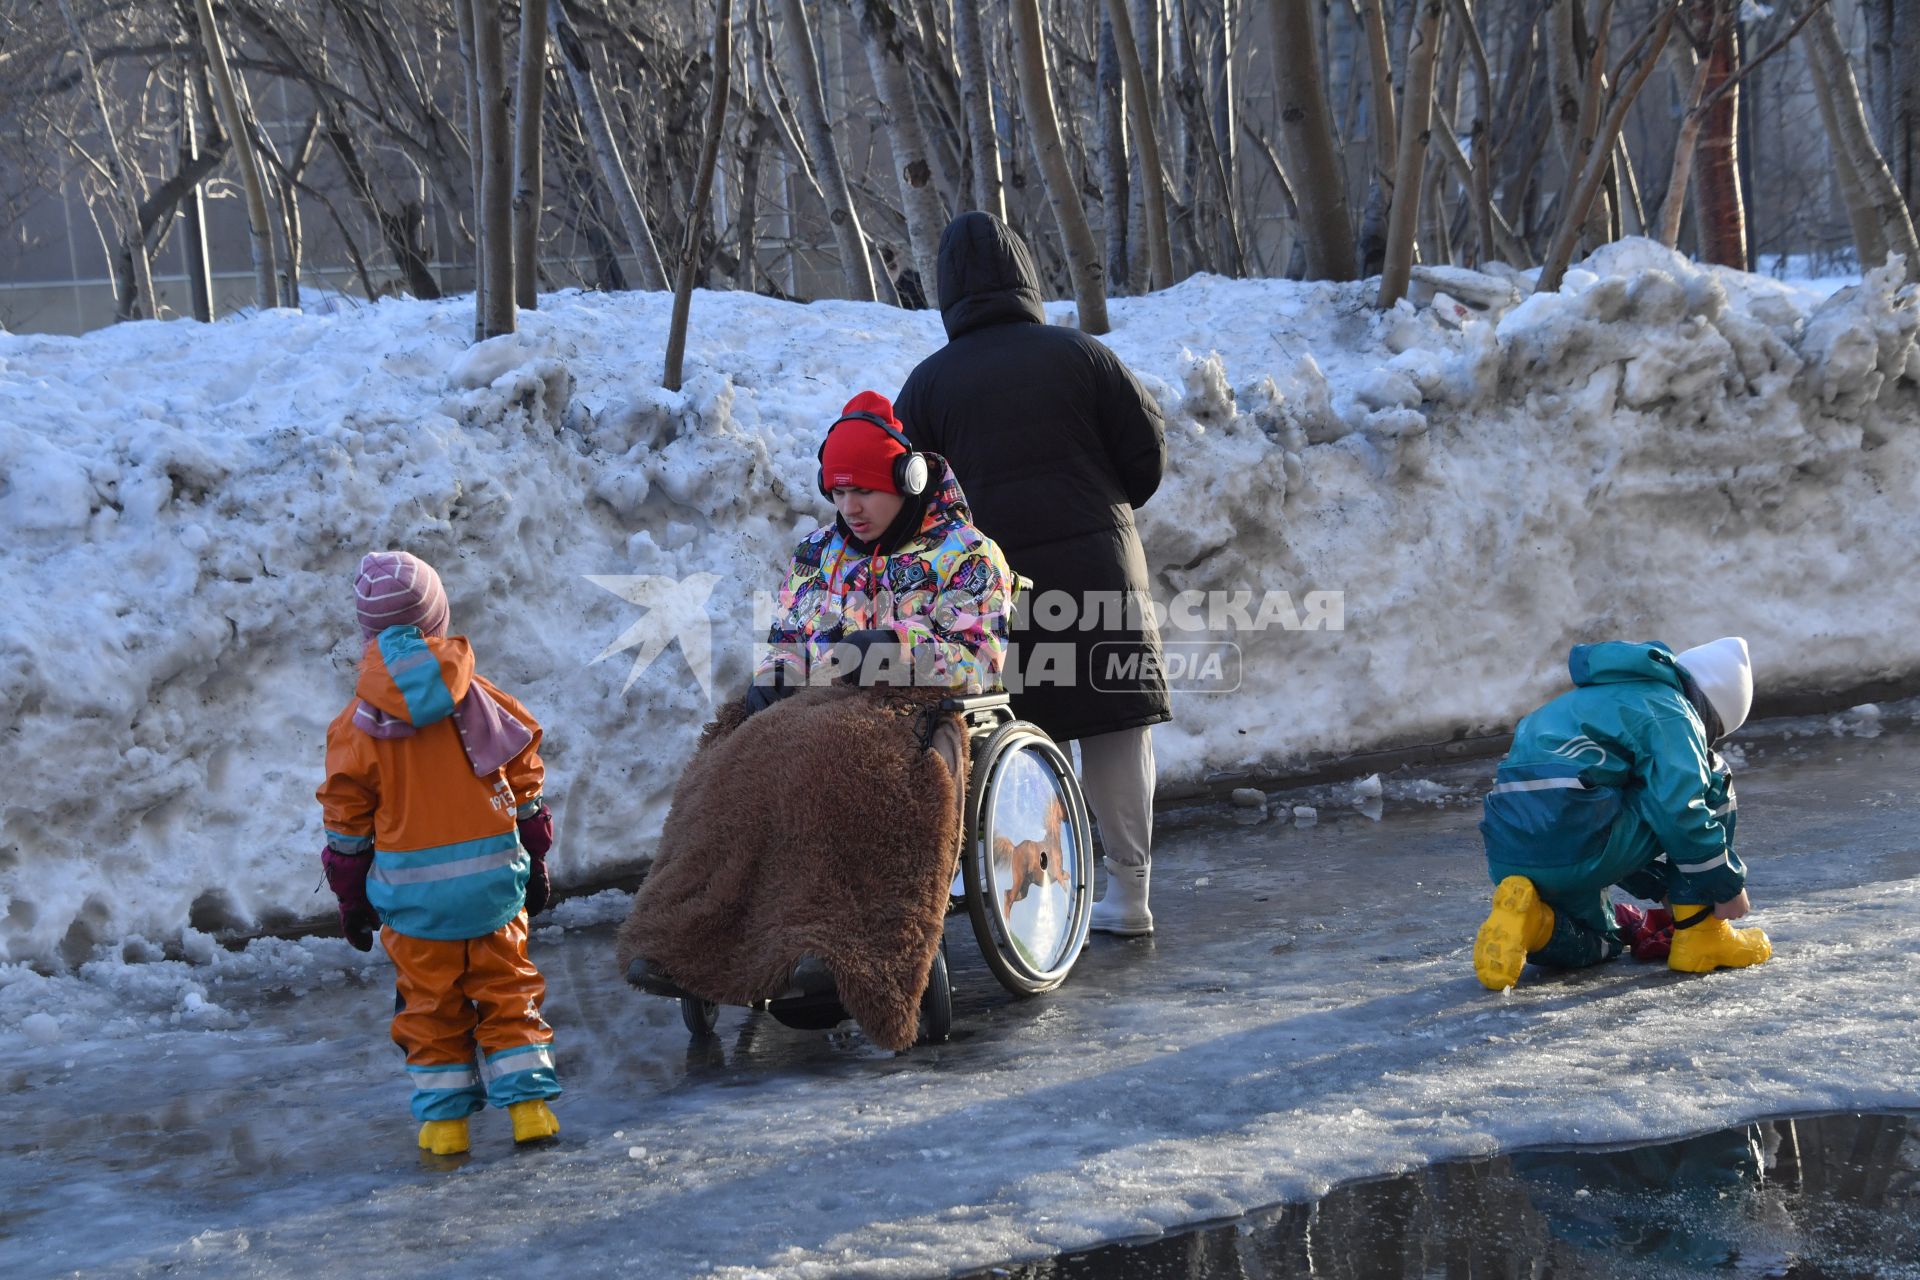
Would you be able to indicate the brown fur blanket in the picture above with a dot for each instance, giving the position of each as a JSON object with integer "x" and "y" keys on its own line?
{"x": 820, "y": 826}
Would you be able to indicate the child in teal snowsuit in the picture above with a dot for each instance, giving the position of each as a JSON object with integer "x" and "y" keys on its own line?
{"x": 1616, "y": 782}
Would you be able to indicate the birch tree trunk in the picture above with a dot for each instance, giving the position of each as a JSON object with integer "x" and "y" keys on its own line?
{"x": 1602, "y": 222}
{"x": 1847, "y": 125}
{"x": 1883, "y": 84}
{"x": 496, "y": 171}
{"x": 1680, "y": 174}
{"x": 1150, "y": 48}
{"x": 1416, "y": 114}
{"x": 1633, "y": 209}
{"x": 293, "y": 240}
{"x": 810, "y": 105}
{"x": 1320, "y": 186}
{"x": 259, "y": 226}
{"x": 1036, "y": 96}
{"x": 400, "y": 230}
{"x": 477, "y": 165}
{"x": 1583, "y": 191}
{"x": 1373, "y": 31}
{"x": 1225, "y": 85}
{"x": 529, "y": 189}
{"x": 1906, "y": 133}
{"x": 1147, "y": 146}
{"x": 887, "y": 63}
{"x": 1113, "y": 158}
{"x": 1139, "y": 252}
{"x": 702, "y": 195}
{"x": 1506, "y": 245}
{"x": 194, "y": 220}
{"x": 1151, "y": 51}
{"x": 1565, "y": 53}
{"x": 128, "y": 199}
{"x": 606, "y": 152}
{"x": 1869, "y": 244}
{"x": 1480, "y": 135}
{"x": 1383, "y": 130}
{"x": 937, "y": 80}
{"x": 281, "y": 178}
{"x": 976, "y": 97}
{"x": 1563, "y": 75}
{"x": 759, "y": 133}
{"x": 1222, "y": 144}
{"x": 1180, "y": 82}
{"x": 293, "y": 228}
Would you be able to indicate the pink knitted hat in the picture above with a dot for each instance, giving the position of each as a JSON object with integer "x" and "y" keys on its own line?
{"x": 395, "y": 589}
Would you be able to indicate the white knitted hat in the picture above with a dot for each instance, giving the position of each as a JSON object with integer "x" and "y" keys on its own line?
{"x": 1724, "y": 672}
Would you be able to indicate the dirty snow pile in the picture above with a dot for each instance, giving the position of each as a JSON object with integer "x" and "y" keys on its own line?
{"x": 1658, "y": 450}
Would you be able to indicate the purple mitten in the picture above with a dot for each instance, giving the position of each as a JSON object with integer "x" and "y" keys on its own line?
{"x": 539, "y": 887}
{"x": 347, "y": 877}
{"x": 536, "y": 832}
{"x": 536, "y": 837}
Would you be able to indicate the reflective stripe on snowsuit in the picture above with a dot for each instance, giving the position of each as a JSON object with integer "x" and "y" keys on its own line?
{"x": 468, "y": 1016}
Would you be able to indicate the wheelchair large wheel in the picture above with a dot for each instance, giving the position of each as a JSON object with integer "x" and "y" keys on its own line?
{"x": 1028, "y": 860}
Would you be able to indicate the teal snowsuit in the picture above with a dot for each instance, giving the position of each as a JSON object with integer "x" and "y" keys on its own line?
{"x": 1613, "y": 783}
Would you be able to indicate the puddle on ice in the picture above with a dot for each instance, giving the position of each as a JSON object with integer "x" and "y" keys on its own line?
{"x": 1828, "y": 1197}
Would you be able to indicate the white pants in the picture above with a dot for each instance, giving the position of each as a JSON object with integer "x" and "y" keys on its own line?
{"x": 1117, "y": 775}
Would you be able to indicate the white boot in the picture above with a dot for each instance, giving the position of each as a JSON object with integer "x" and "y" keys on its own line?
{"x": 1124, "y": 909}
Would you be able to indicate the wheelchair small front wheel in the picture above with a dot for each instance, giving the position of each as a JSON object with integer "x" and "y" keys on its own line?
{"x": 1028, "y": 858}
{"x": 699, "y": 1015}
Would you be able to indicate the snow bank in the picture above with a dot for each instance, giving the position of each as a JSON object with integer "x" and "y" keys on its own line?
{"x": 1657, "y": 451}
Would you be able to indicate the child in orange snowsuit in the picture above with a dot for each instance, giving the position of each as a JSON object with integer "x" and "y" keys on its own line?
{"x": 437, "y": 834}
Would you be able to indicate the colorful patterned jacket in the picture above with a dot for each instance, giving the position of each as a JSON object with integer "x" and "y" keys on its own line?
{"x": 946, "y": 592}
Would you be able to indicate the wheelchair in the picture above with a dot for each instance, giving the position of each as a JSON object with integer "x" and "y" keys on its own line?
{"x": 1023, "y": 875}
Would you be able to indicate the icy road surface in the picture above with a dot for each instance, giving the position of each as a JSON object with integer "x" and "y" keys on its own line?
{"x": 1306, "y": 1015}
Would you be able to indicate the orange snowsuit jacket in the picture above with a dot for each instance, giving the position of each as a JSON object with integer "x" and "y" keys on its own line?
{"x": 447, "y": 861}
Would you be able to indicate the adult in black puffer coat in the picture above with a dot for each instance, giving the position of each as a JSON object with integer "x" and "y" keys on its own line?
{"x": 1056, "y": 442}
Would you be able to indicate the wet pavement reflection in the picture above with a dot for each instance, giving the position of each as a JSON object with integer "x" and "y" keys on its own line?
{"x": 1827, "y": 1197}
{"x": 1306, "y": 1014}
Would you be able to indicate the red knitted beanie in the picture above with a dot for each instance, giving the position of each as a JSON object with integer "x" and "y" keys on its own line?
{"x": 858, "y": 454}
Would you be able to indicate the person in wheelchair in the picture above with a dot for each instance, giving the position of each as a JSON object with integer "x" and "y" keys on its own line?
{"x": 806, "y": 861}
{"x": 900, "y": 588}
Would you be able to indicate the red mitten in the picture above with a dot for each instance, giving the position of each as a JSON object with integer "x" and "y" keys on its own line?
{"x": 1649, "y": 934}
{"x": 1657, "y": 941}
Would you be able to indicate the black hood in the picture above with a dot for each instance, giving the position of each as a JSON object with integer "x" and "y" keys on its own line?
{"x": 987, "y": 276}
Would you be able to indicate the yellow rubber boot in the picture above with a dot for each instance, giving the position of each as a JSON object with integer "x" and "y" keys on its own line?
{"x": 1518, "y": 923}
{"x": 1713, "y": 943}
{"x": 533, "y": 1121}
{"x": 444, "y": 1137}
